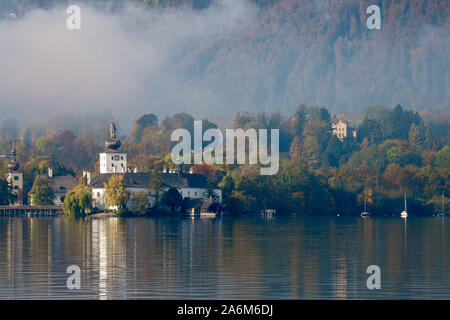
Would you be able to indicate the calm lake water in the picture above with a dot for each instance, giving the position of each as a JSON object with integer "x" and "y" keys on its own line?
{"x": 228, "y": 258}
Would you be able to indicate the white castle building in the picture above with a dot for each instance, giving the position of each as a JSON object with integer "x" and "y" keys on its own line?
{"x": 189, "y": 185}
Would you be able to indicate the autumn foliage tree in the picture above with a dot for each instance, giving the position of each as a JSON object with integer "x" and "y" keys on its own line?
{"x": 116, "y": 195}
{"x": 42, "y": 191}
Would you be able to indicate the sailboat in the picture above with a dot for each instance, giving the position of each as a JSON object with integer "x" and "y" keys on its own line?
{"x": 365, "y": 214}
{"x": 442, "y": 214}
{"x": 404, "y": 214}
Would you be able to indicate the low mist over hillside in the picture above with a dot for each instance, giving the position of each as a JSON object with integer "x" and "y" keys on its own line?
{"x": 218, "y": 57}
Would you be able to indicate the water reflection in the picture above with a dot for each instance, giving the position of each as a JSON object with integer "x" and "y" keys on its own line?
{"x": 281, "y": 257}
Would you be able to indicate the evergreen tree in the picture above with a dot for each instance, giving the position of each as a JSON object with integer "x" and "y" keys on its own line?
{"x": 297, "y": 121}
{"x": 173, "y": 199}
{"x": 334, "y": 151}
{"x": 419, "y": 138}
{"x": 4, "y": 192}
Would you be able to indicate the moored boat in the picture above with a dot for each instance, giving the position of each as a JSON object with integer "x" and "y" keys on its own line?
{"x": 365, "y": 214}
{"x": 404, "y": 213}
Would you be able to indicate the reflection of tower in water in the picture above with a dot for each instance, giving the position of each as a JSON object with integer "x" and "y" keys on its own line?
{"x": 14, "y": 253}
{"x": 340, "y": 278}
{"x": 109, "y": 257}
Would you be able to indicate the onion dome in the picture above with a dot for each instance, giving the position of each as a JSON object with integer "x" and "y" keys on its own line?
{"x": 13, "y": 165}
{"x": 112, "y": 143}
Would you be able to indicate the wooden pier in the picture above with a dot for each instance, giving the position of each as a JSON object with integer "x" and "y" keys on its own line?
{"x": 33, "y": 211}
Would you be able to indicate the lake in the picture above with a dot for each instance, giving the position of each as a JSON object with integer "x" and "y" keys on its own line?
{"x": 224, "y": 258}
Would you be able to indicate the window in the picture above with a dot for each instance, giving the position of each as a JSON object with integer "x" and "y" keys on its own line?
{"x": 112, "y": 158}
{"x": 121, "y": 164}
{"x": 16, "y": 187}
{"x": 16, "y": 178}
{"x": 189, "y": 193}
{"x": 195, "y": 193}
{"x": 112, "y": 164}
{"x": 121, "y": 158}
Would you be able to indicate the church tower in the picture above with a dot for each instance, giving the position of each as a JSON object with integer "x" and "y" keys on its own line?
{"x": 111, "y": 160}
{"x": 14, "y": 178}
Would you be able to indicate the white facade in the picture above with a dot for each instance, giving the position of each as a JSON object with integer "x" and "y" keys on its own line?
{"x": 196, "y": 193}
{"x": 98, "y": 195}
{"x": 340, "y": 129}
{"x": 113, "y": 162}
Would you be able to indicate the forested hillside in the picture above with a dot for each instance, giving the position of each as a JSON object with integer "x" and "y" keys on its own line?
{"x": 394, "y": 153}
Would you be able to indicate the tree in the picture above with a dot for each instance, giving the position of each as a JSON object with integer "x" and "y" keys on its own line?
{"x": 419, "y": 138}
{"x": 376, "y": 112}
{"x": 295, "y": 150}
{"x": 334, "y": 151}
{"x": 227, "y": 185}
{"x": 78, "y": 201}
{"x": 147, "y": 120}
{"x": 398, "y": 123}
{"x": 42, "y": 191}
{"x": 394, "y": 176}
{"x": 311, "y": 152}
{"x": 6, "y": 195}
{"x": 140, "y": 202}
{"x": 297, "y": 121}
{"x": 236, "y": 203}
{"x": 210, "y": 192}
{"x": 156, "y": 185}
{"x": 442, "y": 159}
{"x": 371, "y": 130}
{"x": 173, "y": 198}
{"x": 395, "y": 155}
{"x": 46, "y": 146}
{"x": 205, "y": 169}
{"x": 116, "y": 195}
{"x": 241, "y": 120}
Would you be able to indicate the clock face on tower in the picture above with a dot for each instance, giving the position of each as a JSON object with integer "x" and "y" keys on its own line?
{"x": 116, "y": 158}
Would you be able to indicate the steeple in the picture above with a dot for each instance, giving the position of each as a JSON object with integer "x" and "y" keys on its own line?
{"x": 13, "y": 165}
{"x": 13, "y": 151}
{"x": 113, "y": 143}
{"x": 112, "y": 130}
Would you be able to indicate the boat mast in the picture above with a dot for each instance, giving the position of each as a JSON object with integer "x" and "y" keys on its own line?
{"x": 443, "y": 201}
{"x": 365, "y": 210}
{"x": 405, "y": 203}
